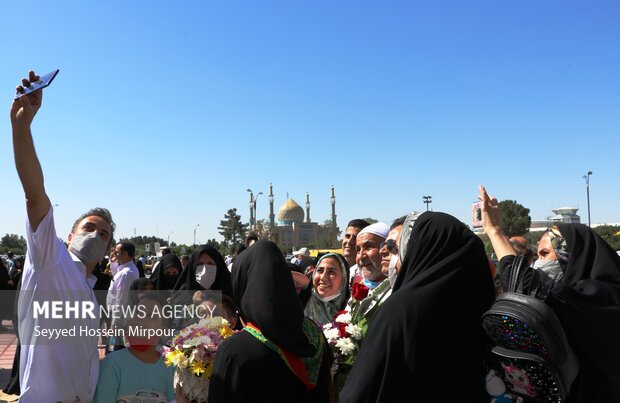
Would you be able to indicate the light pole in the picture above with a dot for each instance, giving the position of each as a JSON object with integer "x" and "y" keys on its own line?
{"x": 427, "y": 200}
{"x": 256, "y": 200}
{"x": 170, "y": 233}
{"x": 587, "y": 178}
{"x": 197, "y": 225}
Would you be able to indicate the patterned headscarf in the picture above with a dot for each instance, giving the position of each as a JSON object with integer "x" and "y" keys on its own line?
{"x": 560, "y": 246}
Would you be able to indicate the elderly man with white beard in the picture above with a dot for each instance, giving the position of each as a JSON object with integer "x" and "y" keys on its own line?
{"x": 372, "y": 289}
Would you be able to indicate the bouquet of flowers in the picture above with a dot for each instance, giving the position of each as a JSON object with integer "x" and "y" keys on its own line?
{"x": 192, "y": 353}
{"x": 347, "y": 332}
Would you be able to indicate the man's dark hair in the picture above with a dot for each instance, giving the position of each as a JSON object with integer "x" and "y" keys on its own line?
{"x": 397, "y": 222}
{"x": 129, "y": 248}
{"x": 98, "y": 212}
{"x": 10, "y": 255}
{"x": 358, "y": 223}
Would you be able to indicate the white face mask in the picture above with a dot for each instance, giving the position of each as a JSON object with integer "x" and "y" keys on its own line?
{"x": 392, "y": 273}
{"x": 551, "y": 268}
{"x": 205, "y": 275}
{"x": 88, "y": 247}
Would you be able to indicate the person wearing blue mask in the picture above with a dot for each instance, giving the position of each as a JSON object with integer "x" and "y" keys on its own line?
{"x": 371, "y": 279}
{"x": 368, "y": 256}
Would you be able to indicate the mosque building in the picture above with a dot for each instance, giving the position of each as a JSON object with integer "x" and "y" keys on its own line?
{"x": 295, "y": 229}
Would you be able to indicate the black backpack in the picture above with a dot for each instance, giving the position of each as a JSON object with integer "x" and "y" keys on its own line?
{"x": 530, "y": 351}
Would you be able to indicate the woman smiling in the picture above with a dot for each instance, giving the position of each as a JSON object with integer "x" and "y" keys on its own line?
{"x": 330, "y": 293}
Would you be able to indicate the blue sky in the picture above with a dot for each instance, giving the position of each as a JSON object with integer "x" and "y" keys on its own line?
{"x": 166, "y": 112}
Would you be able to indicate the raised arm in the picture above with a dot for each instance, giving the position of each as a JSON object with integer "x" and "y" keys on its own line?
{"x": 491, "y": 220}
{"x": 27, "y": 163}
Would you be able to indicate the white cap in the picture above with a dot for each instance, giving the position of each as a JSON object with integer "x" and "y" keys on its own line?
{"x": 302, "y": 251}
{"x": 379, "y": 228}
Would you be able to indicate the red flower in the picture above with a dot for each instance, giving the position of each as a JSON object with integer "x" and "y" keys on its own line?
{"x": 359, "y": 291}
{"x": 342, "y": 332}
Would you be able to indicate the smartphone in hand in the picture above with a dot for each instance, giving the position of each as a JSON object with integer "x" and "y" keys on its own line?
{"x": 476, "y": 214}
{"x": 43, "y": 82}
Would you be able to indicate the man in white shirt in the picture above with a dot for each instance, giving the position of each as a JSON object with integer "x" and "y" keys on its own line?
{"x": 126, "y": 273}
{"x": 64, "y": 368}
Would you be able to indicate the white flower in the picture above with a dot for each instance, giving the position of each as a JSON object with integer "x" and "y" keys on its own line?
{"x": 206, "y": 340}
{"x": 210, "y": 322}
{"x": 327, "y": 326}
{"x": 354, "y": 330}
{"x": 192, "y": 342}
{"x": 344, "y": 318}
{"x": 185, "y": 332}
{"x": 345, "y": 345}
{"x": 331, "y": 335}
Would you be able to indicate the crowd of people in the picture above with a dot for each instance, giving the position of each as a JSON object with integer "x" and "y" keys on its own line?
{"x": 411, "y": 295}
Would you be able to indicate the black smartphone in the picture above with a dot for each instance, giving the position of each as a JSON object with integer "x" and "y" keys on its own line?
{"x": 43, "y": 82}
{"x": 476, "y": 214}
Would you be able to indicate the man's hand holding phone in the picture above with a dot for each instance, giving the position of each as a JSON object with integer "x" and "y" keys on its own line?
{"x": 26, "y": 107}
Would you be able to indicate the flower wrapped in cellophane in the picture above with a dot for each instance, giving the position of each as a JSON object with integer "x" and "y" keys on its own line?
{"x": 192, "y": 354}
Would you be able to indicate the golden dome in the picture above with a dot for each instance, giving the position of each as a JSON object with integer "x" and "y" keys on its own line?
{"x": 290, "y": 212}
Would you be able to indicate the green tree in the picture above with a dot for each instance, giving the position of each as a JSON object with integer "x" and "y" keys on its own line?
{"x": 516, "y": 219}
{"x": 611, "y": 234}
{"x": 14, "y": 243}
{"x": 232, "y": 229}
{"x": 140, "y": 242}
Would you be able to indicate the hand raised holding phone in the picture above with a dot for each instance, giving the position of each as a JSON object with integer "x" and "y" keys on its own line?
{"x": 29, "y": 97}
{"x": 489, "y": 211}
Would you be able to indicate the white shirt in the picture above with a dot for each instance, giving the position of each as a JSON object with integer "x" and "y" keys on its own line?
{"x": 353, "y": 270}
{"x": 118, "y": 293}
{"x": 67, "y": 367}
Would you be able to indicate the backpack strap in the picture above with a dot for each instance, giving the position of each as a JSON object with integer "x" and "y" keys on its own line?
{"x": 517, "y": 275}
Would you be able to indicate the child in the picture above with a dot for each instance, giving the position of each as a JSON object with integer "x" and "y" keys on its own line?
{"x": 139, "y": 370}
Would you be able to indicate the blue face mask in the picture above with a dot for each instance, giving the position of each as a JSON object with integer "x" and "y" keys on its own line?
{"x": 371, "y": 284}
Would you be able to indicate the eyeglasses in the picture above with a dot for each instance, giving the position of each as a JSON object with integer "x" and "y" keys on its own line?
{"x": 391, "y": 246}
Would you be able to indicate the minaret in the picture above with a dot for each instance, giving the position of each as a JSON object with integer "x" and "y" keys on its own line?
{"x": 272, "y": 217}
{"x": 307, "y": 207}
{"x": 251, "y": 208}
{"x": 333, "y": 203}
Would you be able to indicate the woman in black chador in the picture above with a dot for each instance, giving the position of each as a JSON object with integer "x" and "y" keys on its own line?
{"x": 425, "y": 343}
{"x": 279, "y": 356}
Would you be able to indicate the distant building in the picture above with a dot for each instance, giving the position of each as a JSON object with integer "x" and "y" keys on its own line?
{"x": 562, "y": 215}
{"x": 294, "y": 229}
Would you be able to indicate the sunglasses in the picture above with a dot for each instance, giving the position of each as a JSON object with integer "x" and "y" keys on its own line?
{"x": 391, "y": 246}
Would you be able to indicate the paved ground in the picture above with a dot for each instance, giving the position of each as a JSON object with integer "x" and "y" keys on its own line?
{"x": 8, "y": 344}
